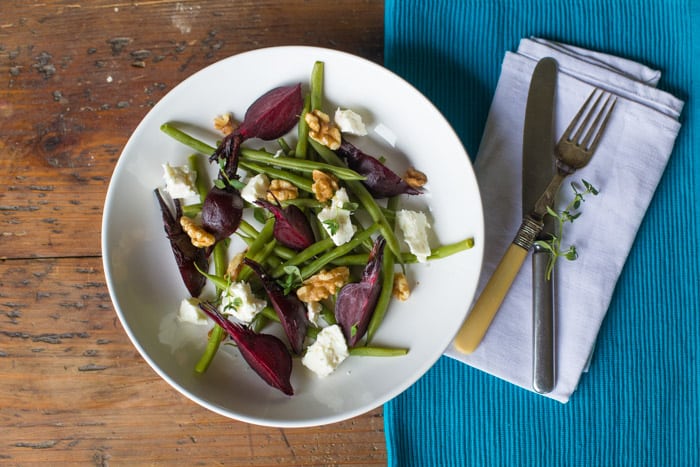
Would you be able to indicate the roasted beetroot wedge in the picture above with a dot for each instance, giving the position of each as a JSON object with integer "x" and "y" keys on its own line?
{"x": 292, "y": 228}
{"x": 222, "y": 211}
{"x": 265, "y": 354}
{"x": 356, "y": 301}
{"x": 270, "y": 117}
{"x": 290, "y": 310}
{"x": 187, "y": 256}
{"x": 380, "y": 181}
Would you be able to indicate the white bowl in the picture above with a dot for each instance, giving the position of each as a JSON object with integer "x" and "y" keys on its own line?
{"x": 146, "y": 288}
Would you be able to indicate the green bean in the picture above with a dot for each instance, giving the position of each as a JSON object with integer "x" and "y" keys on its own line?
{"x": 316, "y": 86}
{"x": 306, "y": 254}
{"x": 365, "y": 199}
{"x": 302, "y": 165}
{"x": 191, "y": 210}
{"x": 284, "y": 146}
{"x": 281, "y": 251}
{"x": 217, "y": 333}
{"x": 377, "y": 351}
{"x": 263, "y": 238}
{"x": 248, "y": 229}
{"x": 385, "y": 293}
{"x": 200, "y": 182}
{"x": 442, "y": 251}
{"x": 314, "y": 266}
{"x": 218, "y": 280}
{"x": 220, "y": 259}
{"x": 260, "y": 248}
{"x": 303, "y": 203}
{"x": 215, "y": 337}
{"x": 359, "y": 259}
{"x": 303, "y": 130}
{"x": 186, "y": 139}
{"x": 260, "y": 258}
{"x": 301, "y": 182}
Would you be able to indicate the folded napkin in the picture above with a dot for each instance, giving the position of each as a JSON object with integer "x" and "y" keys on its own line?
{"x": 625, "y": 169}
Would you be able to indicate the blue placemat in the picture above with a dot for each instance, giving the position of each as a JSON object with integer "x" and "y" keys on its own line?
{"x": 640, "y": 402}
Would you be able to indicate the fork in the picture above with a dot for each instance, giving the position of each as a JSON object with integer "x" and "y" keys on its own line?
{"x": 574, "y": 150}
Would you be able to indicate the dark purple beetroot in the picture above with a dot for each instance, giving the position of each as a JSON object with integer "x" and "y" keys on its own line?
{"x": 356, "y": 301}
{"x": 292, "y": 228}
{"x": 222, "y": 211}
{"x": 187, "y": 256}
{"x": 380, "y": 181}
{"x": 266, "y": 354}
{"x": 290, "y": 310}
{"x": 270, "y": 117}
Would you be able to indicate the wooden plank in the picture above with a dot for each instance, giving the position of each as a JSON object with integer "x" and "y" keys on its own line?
{"x": 77, "y": 77}
{"x": 74, "y": 389}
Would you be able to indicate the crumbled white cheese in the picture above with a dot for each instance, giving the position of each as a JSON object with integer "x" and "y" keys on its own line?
{"x": 240, "y": 302}
{"x": 336, "y": 219}
{"x": 313, "y": 311}
{"x": 256, "y": 188}
{"x": 349, "y": 122}
{"x": 386, "y": 133}
{"x": 190, "y": 312}
{"x": 414, "y": 226}
{"x": 180, "y": 182}
{"x": 329, "y": 351}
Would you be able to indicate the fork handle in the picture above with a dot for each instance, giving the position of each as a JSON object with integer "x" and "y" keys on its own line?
{"x": 479, "y": 319}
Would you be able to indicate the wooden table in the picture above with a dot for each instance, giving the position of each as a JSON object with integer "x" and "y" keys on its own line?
{"x": 75, "y": 80}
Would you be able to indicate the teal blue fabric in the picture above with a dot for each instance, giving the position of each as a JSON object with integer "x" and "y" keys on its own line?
{"x": 640, "y": 402}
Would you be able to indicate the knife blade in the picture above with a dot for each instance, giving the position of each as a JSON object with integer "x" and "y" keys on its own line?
{"x": 537, "y": 153}
{"x": 538, "y": 168}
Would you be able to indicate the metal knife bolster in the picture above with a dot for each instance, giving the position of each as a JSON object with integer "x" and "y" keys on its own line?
{"x": 528, "y": 232}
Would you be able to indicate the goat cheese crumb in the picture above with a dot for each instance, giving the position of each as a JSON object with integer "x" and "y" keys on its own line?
{"x": 336, "y": 219}
{"x": 414, "y": 226}
{"x": 329, "y": 351}
{"x": 313, "y": 311}
{"x": 180, "y": 182}
{"x": 238, "y": 300}
{"x": 190, "y": 312}
{"x": 349, "y": 122}
{"x": 256, "y": 188}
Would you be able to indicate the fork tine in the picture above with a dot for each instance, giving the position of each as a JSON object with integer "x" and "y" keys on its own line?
{"x": 574, "y": 121}
{"x": 602, "y": 125}
{"x": 589, "y": 113}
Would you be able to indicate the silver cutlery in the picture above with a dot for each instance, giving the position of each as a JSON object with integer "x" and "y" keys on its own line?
{"x": 573, "y": 151}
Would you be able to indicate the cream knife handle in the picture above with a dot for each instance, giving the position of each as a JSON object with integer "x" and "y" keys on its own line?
{"x": 488, "y": 303}
{"x": 543, "y": 358}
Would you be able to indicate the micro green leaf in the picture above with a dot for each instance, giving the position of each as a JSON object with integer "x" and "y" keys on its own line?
{"x": 332, "y": 225}
{"x": 569, "y": 214}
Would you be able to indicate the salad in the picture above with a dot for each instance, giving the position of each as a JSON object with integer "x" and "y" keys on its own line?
{"x": 325, "y": 246}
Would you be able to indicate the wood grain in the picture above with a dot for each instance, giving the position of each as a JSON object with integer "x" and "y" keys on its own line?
{"x": 75, "y": 80}
{"x": 78, "y": 78}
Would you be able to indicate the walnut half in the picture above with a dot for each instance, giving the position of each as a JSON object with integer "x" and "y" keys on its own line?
{"x": 323, "y": 285}
{"x": 324, "y": 186}
{"x": 281, "y": 190}
{"x": 198, "y": 236}
{"x": 322, "y": 130}
{"x": 415, "y": 178}
{"x": 401, "y": 290}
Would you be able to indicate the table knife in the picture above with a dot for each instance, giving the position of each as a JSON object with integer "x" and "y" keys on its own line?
{"x": 538, "y": 146}
{"x": 538, "y": 169}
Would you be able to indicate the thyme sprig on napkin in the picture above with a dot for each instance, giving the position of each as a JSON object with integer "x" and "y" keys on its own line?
{"x": 569, "y": 214}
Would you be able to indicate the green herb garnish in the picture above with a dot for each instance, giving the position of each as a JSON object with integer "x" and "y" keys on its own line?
{"x": 568, "y": 214}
